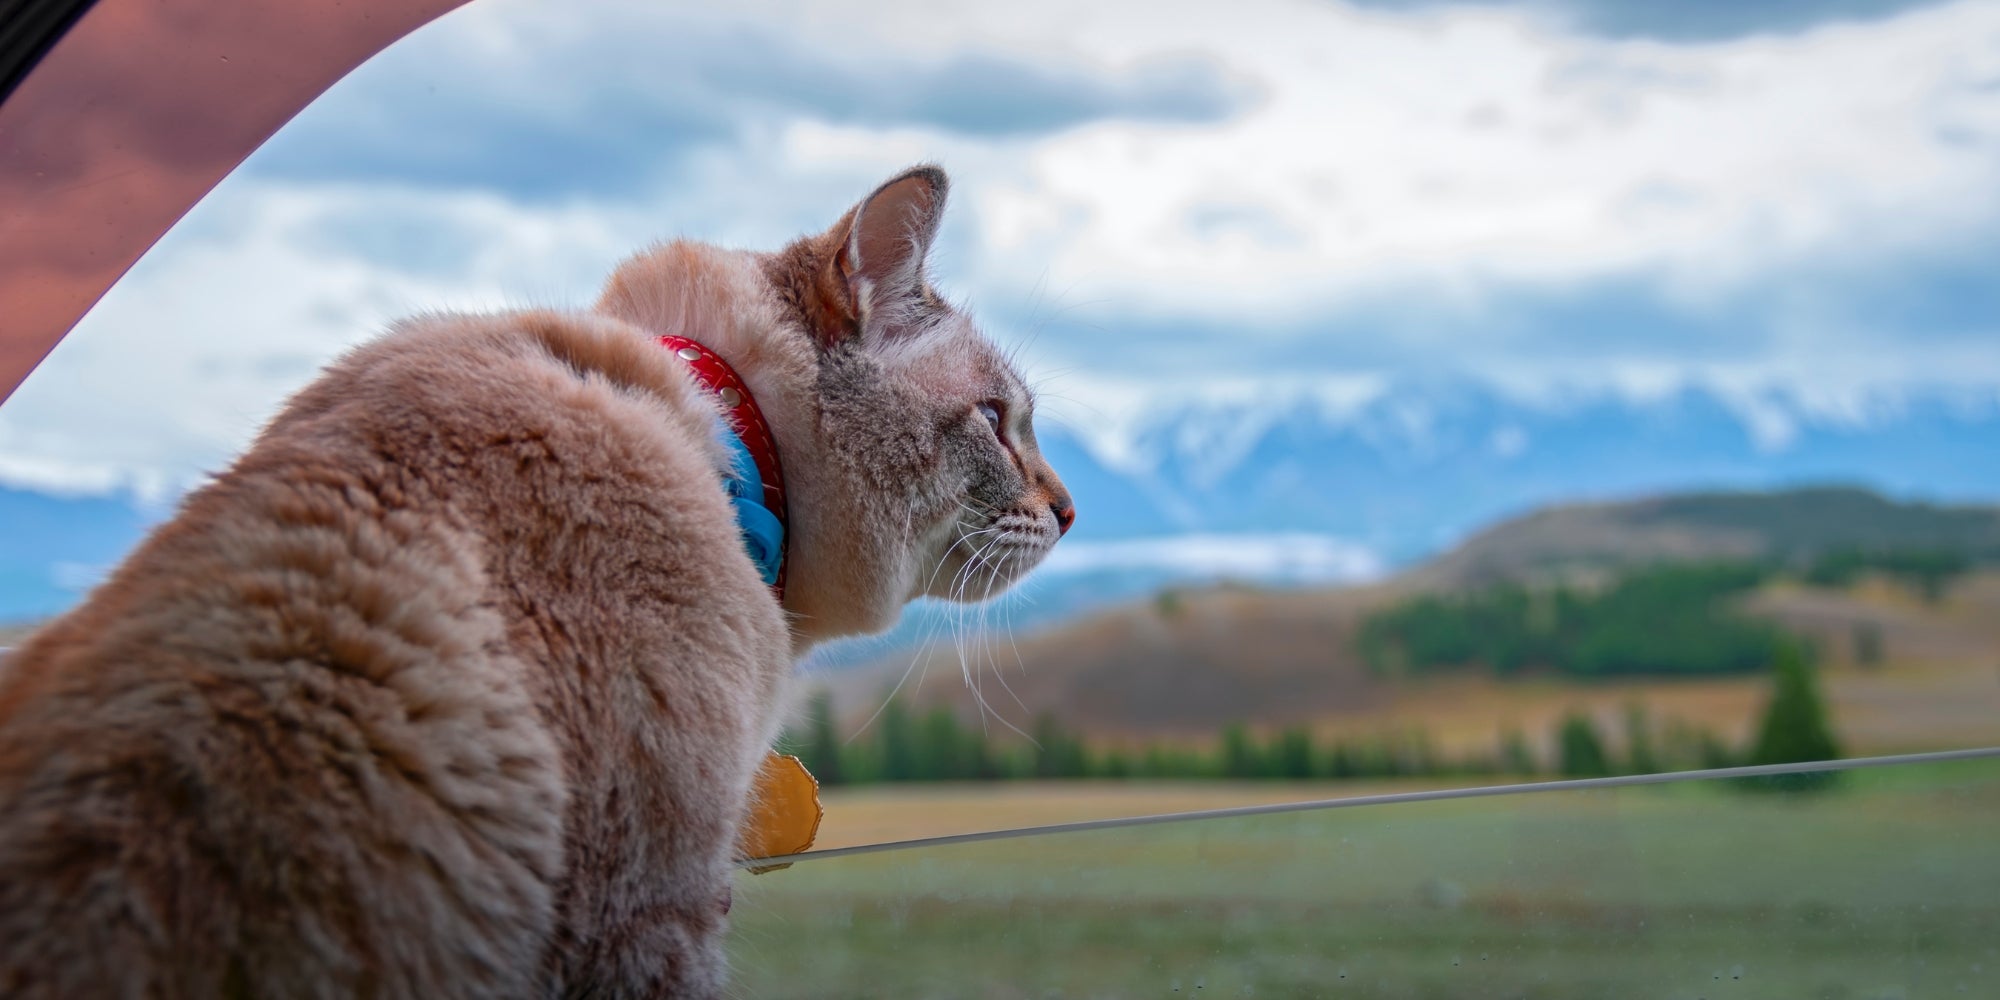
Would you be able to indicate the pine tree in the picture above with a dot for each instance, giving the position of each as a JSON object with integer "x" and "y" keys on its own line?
{"x": 1343, "y": 762}
{"x": 821, "y": 751}
{"x": 1057, "y": 753}
{"x": 1382, "y": 758}
{"x": 981, "y": 763}
{"x": 1292, "y": 757}
{"x": 940, "y": 748}
{"x": 898, "y": 743}
{"x": 1580, "y": 749}
{"x": 1795, "y": 727}
{"x": 1239, "y": 755}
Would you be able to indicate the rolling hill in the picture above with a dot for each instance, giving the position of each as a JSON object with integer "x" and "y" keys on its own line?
{"x": 1787, "y": 525}
{"x": 1186, "y": 662}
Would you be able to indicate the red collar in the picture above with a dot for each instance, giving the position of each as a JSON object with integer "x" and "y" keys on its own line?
{"x": 745, "y": 418}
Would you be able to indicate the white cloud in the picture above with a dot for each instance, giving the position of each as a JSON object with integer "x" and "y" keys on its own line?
{"x": 1289, "y": 558}
{"x": 1382, "y": 163}
{"x": 77, "y": 577}
{"x": 1508, "y": 441}
{"x": 177, "y": 367}
{"x": 1456, "y": 154}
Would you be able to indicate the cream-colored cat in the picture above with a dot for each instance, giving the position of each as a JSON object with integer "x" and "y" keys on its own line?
{"x": 454, "y": 684}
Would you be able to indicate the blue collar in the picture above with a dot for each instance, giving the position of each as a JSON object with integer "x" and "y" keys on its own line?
{"x": 763, "y": 533}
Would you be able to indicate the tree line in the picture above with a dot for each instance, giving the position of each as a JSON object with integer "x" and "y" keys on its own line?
{"x": 1927, "y": 571}
{"x": 1668, "y": 620}
{"x": 902, "y": 745}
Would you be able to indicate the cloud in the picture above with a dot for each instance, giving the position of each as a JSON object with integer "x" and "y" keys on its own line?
{"x": 1446, "y": 159}
{"x": 177, "y": 367}
{"x": 1710, "y": 20}
{"x": 1681, "y": 20}
{"x": 984, "y": 94}
{"x": 606, "y": 144}
{"x": 610, "y": 100}
{"x": 1840, "y": 329}
{"x": 77, "y": 577}
{"x": 1290, "y": 558}
{"x": 1156, "y": 204}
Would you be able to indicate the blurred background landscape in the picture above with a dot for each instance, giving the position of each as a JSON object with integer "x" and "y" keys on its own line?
{"x": 1580, "y": 640}
{"x": 1451, "y": 392}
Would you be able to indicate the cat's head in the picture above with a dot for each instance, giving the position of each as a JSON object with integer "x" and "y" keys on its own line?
{"x": 907, "y": 438}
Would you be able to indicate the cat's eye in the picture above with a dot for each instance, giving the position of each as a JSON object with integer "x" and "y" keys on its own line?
{"x": 992, "y": 410}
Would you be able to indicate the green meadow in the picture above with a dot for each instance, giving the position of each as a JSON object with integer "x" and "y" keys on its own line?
{"x": 1885, "y": 886}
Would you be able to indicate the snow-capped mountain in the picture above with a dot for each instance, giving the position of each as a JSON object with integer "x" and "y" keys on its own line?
{"x": 1418, "y": 467}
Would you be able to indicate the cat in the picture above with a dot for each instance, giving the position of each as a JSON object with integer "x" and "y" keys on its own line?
{"x": 455, "y": 682}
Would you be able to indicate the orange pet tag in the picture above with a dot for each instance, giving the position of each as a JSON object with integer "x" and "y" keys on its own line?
{"x": 784, "y": 811}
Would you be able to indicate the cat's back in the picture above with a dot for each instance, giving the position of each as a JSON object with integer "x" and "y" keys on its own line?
{"x": 298, "y": 725}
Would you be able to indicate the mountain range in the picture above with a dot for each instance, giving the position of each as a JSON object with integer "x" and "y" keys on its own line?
{"x": 1419, "y": 466}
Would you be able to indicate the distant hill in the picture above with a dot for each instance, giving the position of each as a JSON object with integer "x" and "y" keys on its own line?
{"x": 1189, "y": 661}
{"x": 1181, "y": 664}
{"x": 1788, "y": 524}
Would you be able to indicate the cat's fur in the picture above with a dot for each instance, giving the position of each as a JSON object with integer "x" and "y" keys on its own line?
{"x": 454, "y": 684}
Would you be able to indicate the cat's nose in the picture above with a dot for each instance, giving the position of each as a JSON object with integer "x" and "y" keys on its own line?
{"x": 1065, "y": 513}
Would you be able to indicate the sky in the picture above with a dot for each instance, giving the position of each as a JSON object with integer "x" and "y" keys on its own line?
{"x": 1154, "y": 202}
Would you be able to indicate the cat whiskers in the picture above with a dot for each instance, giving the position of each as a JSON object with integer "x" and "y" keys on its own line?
{"x": 999, "y": 672}
{"x": 972, "y": 662}
{"x": 955, "y": 591}
{"x": 922, "y": 654}
{"x": 968, "y": 662}
{"x": 988, "y": 648}
{"x": 987, "y": 537}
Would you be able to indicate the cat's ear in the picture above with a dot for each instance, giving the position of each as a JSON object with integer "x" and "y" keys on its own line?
{"x": 878, "y": 267}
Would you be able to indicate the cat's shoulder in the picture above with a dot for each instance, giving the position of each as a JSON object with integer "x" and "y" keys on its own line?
{"x": 476, "y": 373}
{"x": 580, "y": 345}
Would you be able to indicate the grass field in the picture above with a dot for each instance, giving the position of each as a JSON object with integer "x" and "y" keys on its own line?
{"x": 1888, "y": 887}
